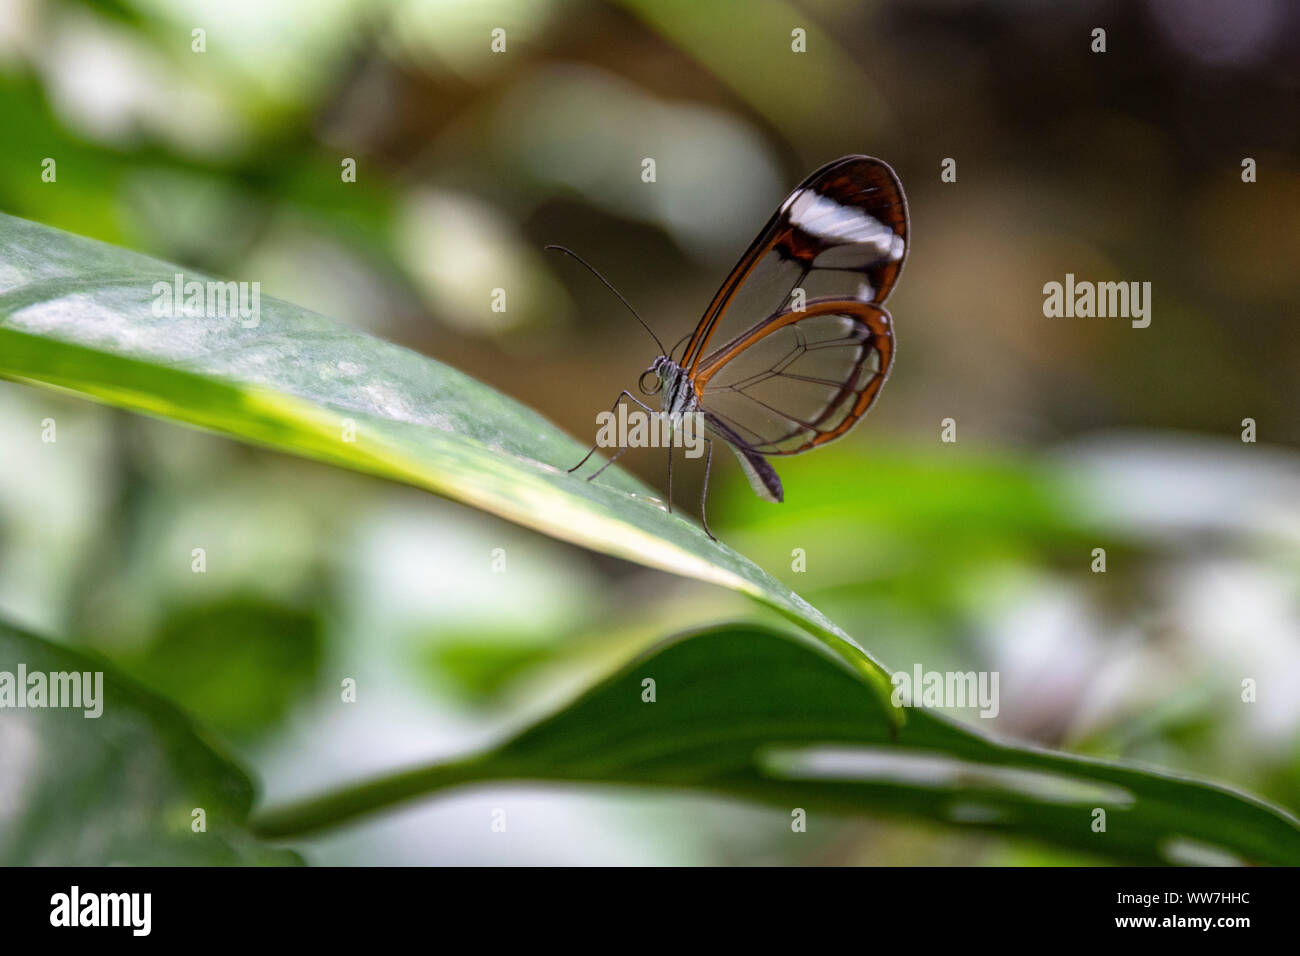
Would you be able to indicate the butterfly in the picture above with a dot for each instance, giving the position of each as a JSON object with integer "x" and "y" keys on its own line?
{"x": 796, "y": 344}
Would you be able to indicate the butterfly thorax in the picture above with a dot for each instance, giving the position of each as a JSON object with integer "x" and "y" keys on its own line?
{"x": 676, "y": 393}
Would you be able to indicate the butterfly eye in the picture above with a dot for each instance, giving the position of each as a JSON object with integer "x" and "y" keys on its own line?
{"x": 650, "y": 382}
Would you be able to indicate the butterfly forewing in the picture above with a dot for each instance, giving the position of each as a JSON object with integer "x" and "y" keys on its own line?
{"x": 841, "y": 234}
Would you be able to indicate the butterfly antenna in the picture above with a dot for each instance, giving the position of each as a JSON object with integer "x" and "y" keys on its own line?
{"x": 680, "y": 342}
{"x": 610, "y": 287}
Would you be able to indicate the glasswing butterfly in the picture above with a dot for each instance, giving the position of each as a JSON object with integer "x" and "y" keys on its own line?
{"x": 796, "y": 344}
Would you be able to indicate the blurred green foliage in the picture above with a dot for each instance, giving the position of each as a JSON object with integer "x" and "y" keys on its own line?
{"x": 236, "y": 665}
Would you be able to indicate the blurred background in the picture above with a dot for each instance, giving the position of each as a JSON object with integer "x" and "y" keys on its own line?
{"x": 1072, "y": 433}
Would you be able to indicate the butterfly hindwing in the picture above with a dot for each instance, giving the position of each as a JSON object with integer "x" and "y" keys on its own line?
{"x": 799, "y": 379}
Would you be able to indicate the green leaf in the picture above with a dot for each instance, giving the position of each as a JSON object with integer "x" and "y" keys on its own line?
{"x": 120, "y": 788}
{"x": 78, "y": 314}
{"x": 756, "y": 714}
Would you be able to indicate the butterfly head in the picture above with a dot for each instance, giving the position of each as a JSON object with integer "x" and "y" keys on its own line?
{"x": 652, "y": 379}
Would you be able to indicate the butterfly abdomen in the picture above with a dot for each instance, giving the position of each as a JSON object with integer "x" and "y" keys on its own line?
{"x": 762, "y": 476}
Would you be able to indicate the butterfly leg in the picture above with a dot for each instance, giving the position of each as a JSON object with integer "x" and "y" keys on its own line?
{"x": 670, "y": 478}
{"x": 617, "y": 455}
{"x": 621, "y": 395}
{"x": 704, "y": 496}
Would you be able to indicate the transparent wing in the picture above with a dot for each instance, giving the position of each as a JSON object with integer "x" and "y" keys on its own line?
{"x": 841, "y": 234}
{"x": 799, "y": 379}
